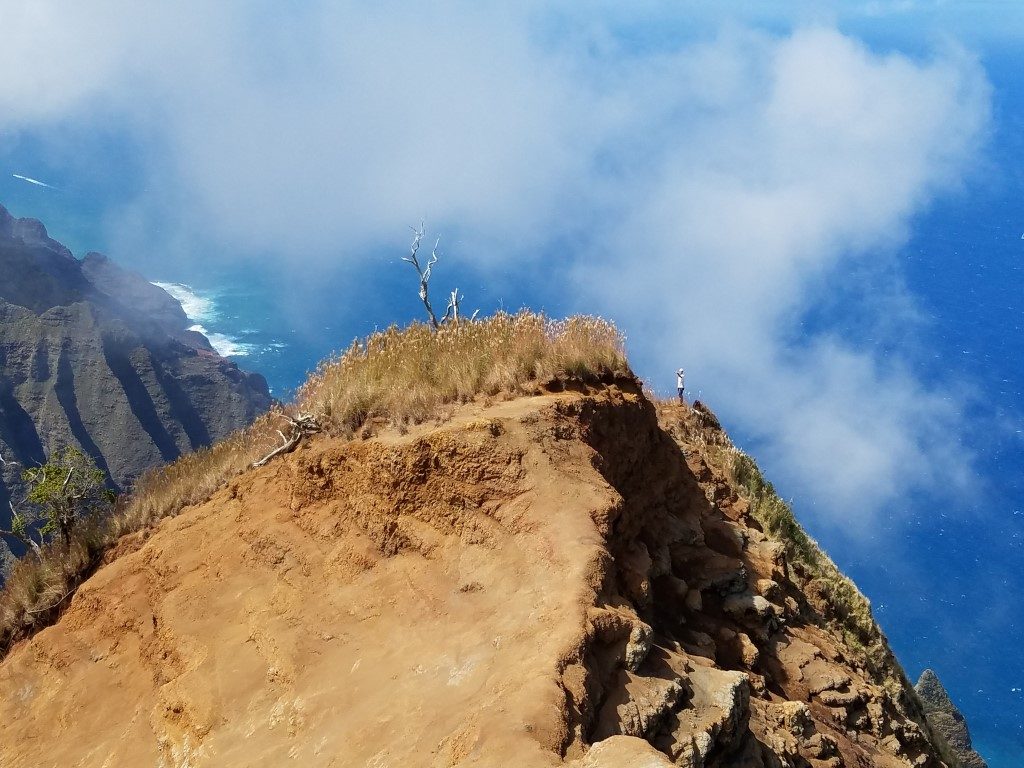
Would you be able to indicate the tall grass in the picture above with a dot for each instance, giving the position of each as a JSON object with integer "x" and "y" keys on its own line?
{"x": 401, "y": 375}
{"x": 193, "y": 478}
{"x": 404, "y": 374}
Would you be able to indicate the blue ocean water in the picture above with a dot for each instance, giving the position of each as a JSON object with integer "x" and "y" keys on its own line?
{"x": 945, "y": 586}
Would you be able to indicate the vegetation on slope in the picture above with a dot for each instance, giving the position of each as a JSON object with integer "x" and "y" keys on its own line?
{"x": 404, "y": 375}
{"x": 397, "y": 376}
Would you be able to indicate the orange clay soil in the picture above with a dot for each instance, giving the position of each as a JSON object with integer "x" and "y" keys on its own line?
{"x": 539, "y": 582}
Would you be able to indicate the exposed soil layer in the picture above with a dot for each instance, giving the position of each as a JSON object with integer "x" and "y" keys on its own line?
{"x": 538, "y": 582}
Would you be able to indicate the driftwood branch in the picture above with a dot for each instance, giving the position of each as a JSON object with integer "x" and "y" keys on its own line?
{"x": 54, "y": 605}
{"x": 302, "y": 425}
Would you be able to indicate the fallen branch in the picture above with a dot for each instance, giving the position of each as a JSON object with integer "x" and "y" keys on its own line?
{"x": 301, "y": 426}
{"x": 54, "y": 605}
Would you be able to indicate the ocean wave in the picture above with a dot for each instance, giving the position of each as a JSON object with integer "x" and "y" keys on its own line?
{"x": 202, "y": 310}
{"x": 225, "y": 345}
{"x": 198, "y": 309}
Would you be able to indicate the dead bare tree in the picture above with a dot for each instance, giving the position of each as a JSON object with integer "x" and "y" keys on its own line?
{"x": 424, "y": 273}
{"x": 451, "y": 312}
{"x": 302, "y": 425}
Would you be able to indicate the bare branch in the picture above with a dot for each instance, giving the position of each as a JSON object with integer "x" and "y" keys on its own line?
{"x": 452, "y": 310}
{"x": 415, "y": 247}
{"x": 54, "y": 605}
{"x": 21, "y": 533}
{"x": 424, "y": 273}
{"x": 303, "y": 425}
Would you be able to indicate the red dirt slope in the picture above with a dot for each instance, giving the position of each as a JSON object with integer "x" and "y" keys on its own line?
{"x": 539, "y": 582}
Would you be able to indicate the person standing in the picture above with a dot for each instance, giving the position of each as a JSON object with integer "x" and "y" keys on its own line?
{"x": 680, "y": 376}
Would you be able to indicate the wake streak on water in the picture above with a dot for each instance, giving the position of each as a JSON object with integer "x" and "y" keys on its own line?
{"x": 202, "y": 310}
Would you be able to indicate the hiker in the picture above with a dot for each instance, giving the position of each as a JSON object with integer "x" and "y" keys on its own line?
{"x": 679, "y": 385}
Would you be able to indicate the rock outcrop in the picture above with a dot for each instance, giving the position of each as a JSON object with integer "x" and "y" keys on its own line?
{"x": 95, "y": 356}
{"x": 945, "y": 718}
{"x": 545, "y": 581}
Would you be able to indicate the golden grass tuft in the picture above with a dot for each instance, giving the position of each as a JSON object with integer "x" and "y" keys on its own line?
{"x": 404, "y": 375}
{"x": 193, "y": 478}
{"x": 401, "y": 375}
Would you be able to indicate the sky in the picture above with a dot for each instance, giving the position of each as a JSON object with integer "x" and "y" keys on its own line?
{"x": 737, "y": 189}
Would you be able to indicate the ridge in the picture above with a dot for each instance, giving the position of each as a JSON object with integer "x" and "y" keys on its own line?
{"x": 541, "y": 580}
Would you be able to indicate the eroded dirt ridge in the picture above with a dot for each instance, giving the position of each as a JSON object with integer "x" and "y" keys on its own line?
{"x": 540, "y": 582}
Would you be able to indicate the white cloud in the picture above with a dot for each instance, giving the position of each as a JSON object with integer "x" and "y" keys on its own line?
{"x": 815, "y": 157}
{"x": 714, "y": 188}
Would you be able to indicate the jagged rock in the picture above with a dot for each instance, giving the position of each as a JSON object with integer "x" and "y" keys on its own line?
{"x": 638, "y": 646}
{"x": 95, "y": 356}
{"x": 796, "y": 718}
{"x": 944, "y": 717}
{"x": 713, "y": 718}
{"x": 769, "y": 589}
{"x": 844, "y": 699}
{"x": 819, "y": 746}
{"x": 636, "y": 706}
{"x": 823, "y": 676}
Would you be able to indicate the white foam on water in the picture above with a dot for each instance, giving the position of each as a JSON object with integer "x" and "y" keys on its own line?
{"x": 203, "y": 309}
{"x": 224, "y": 345}
{"x": 197, "y": 308}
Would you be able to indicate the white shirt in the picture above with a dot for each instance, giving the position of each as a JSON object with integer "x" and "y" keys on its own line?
{"x": 679, "y": 381}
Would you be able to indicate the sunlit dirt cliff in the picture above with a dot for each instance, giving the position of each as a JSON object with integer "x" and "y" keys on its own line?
{"x": 573, "y": 578}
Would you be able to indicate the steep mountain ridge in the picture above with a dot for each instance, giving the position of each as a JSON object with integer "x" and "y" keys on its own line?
{"x": 544, "y": 581}
{"x": 95, "y": 356}
{"x": 946, "y": 719}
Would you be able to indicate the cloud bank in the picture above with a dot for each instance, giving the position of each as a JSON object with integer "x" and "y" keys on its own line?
{"x": 704, "y": 189}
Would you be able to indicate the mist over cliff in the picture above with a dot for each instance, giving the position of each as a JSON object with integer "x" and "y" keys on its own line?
{"x": 96, "y": 357}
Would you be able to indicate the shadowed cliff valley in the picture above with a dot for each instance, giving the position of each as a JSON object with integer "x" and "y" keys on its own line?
{"x": 95, "y": 356}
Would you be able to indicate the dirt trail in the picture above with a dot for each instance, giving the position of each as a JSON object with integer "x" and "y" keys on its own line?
{"x": 508, "y": 588}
